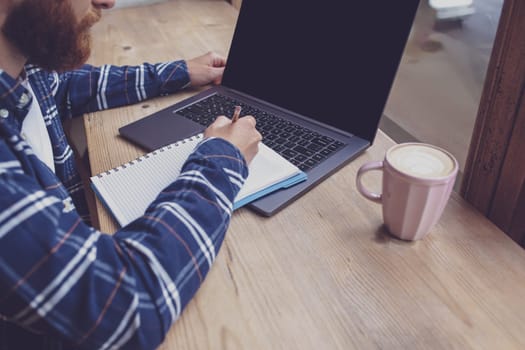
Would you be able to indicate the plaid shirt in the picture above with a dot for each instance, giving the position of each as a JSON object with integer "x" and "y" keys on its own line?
{"x": 61, "y": 279}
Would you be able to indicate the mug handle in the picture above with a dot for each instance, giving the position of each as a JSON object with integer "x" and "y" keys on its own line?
{"x": 374, "y": 197}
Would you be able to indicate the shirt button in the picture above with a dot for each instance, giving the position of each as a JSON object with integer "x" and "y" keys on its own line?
{"x": 24, "y": 99}
{"x": 4, "y": 113}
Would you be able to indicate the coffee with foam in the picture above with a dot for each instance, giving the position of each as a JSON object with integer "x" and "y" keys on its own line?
{"x": 418, "y": 179}
{"x": 422, "y": 161}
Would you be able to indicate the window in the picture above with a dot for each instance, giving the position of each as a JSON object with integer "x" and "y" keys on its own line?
{"x": 437, "y": 90}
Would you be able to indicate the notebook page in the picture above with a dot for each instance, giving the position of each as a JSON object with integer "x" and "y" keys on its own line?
{"x": 266, "y": 169}
{"x": 129, "y": 189}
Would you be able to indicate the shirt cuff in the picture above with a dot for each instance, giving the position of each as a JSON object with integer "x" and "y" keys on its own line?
{"x": 174, "y": 76}
{"x": 221, "y": 148}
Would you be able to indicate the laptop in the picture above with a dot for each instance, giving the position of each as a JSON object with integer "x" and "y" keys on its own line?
{"x": 316, "y": 75}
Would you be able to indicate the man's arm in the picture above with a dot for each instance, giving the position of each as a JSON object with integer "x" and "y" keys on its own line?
{"x": 58, "y": 275}
{"x": 90, "y": 88}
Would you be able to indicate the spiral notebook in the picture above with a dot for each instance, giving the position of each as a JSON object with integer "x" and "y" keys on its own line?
{"x": 129, "y": 189}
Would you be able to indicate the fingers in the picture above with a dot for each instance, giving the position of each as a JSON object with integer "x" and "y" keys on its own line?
{"x": 211, "y": 59}
{"x": 217, "y": 74}
{"x": 241, "y": 133}
{"x": 248, "y": 122}
{"x": 216, "y": 60}
{"x": 221, "y": 121}
{"x": 206, "y": 69}
{"x": 248, "y": 119}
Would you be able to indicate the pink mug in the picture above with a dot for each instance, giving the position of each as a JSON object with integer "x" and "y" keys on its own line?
{"x": 417, "y": 181}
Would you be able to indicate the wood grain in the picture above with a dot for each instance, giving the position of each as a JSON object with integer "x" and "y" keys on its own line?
{"x": 323, "y": 273}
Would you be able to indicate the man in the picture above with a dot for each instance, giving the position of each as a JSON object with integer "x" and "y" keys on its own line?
{"x": 63, "y": 284}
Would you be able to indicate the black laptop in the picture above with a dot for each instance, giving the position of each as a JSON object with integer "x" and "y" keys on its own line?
{"x": 315, "y": 74}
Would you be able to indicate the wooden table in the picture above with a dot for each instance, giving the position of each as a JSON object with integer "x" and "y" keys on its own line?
{"x": 323, "y": 273}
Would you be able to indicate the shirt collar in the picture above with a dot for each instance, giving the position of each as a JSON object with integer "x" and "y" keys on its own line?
{"x": 14, "y": 98}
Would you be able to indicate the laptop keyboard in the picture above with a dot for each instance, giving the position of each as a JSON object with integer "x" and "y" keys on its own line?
{"x": 301, "y": 146}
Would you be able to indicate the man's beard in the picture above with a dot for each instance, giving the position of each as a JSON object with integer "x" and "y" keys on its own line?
{"x": 49, "y": 34}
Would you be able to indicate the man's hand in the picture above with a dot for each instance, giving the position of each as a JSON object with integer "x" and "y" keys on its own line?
{"x": 206, "y": 69}
{"x": 242, "y": 134}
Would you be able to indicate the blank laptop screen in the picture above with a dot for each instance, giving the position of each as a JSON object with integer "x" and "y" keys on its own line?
{"x": 332, "y": 61}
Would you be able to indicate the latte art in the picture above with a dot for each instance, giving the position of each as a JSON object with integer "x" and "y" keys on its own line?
{"x": 421, "y": 160}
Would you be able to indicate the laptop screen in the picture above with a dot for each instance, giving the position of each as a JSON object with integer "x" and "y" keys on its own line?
{"x": 332, "y": 61}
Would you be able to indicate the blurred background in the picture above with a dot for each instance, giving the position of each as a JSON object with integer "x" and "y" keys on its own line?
{"x": 438, "y": 86}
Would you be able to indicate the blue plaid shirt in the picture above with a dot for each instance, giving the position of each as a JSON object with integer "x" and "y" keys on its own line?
{"x": 63, "y": 282}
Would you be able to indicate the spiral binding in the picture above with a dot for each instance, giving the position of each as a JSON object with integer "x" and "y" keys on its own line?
{"x": 150, "y": 154}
